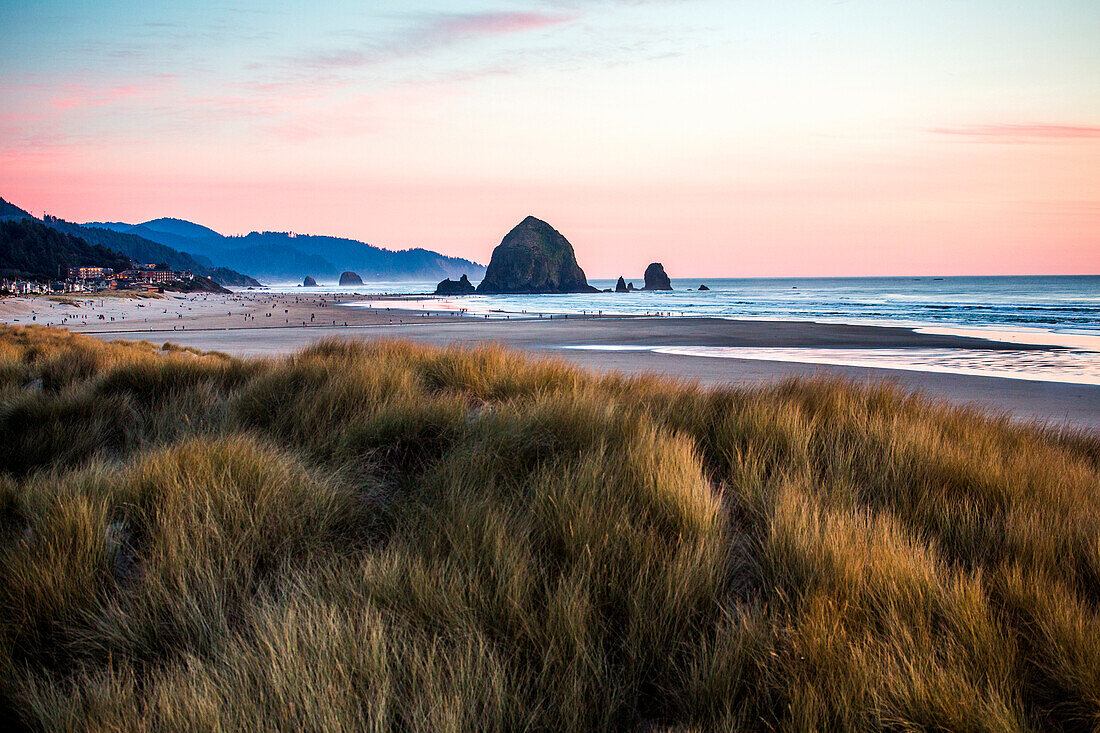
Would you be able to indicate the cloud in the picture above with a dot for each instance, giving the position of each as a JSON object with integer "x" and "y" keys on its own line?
{"x": 74, "y": 95}
{"x": 482, "y": 24}
{"x": 431, "y": 33}
{"x": 1008, "y": 132}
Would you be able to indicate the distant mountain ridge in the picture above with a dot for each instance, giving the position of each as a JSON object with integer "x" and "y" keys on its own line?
{"x": 176, "y": 233}
{"x": 289, "y": 257}
{"x": 182, "y": 228}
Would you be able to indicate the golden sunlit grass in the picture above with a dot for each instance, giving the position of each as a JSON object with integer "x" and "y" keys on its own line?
{"x": 386, "y": 536}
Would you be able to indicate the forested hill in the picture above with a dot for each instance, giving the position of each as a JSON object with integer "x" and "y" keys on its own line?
{"x": 33, "y": 251}
{"x": 11, "y": 211}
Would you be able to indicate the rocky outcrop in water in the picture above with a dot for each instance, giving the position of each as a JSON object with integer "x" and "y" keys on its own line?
{"x": 462, "y": 286}
{"x": 350, "y": 278}
{"x": 309, "y": 282}
{"x": 534, "y": 258}
{"x": 655, "y": 277}
{"x": 703, "y": 287}
{"x": 620, "y": 287}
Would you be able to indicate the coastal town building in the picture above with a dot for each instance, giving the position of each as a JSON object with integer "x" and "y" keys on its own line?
{"x": 89, "y": 273}
{"x": 145, "y": 275}
{"x": 90, "y": 279}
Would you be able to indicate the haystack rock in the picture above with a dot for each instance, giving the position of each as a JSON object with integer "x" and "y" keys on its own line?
{"x": 655, "y": 277}
{"x": 620, "y": 287}
{"x": 309, "y": 282}
{"x": 534, "y": 258}
{"x": 350, "y": 278}
{"x": 462, "y": 286}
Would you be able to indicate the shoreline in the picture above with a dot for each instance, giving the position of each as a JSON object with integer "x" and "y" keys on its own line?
{"x": 240, "y": 325}
{"x": 359, "y": 309}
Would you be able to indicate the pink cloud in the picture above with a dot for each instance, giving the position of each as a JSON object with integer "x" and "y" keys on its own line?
{"x": 72, "y": 96}
{"x": 489, "y": 24}
{"x": 1023, "y": 132}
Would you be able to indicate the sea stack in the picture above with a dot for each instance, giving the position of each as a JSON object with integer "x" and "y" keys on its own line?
{"x": 620, "y": 287}
{"x": 309, "y": 282}
{"x": 534, "y": 258}
{"x": 350, "y": 278}
{"x": 703, "y": 287}
{"x": 462, "y": 286}
{"x": 655, "y": 277}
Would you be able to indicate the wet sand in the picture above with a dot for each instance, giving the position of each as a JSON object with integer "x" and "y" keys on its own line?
{"x": 240, "y": 325}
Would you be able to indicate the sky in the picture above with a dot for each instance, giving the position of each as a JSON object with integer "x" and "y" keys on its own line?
{"x": 724, "y": 138}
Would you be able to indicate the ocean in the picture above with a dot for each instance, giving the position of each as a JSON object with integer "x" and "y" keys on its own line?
{"x": 1057, "y": 311}
{"x": 1064, "y": 305}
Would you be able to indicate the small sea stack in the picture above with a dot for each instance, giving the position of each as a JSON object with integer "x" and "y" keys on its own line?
{"x": 462, "y": 286}
{"x": 620, "y": 286}
{"x": 350, "y": 278}
{"x": 655, "y": 277}
{"x": 309, "y": 282}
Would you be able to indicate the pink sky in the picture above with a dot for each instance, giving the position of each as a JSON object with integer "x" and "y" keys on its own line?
{"x": 719, "y": 144}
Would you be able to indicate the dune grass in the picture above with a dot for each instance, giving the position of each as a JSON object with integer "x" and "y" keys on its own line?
{"x": 392, "y": 537}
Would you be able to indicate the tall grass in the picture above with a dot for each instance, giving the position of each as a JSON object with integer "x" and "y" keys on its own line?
{"x": 384, "y": 536}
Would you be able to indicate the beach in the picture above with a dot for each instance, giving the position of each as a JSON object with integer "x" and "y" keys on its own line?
{"x": 269, "y": 324}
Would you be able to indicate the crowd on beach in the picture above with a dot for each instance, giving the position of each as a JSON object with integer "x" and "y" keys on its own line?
{"x": 251, "y": 309}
